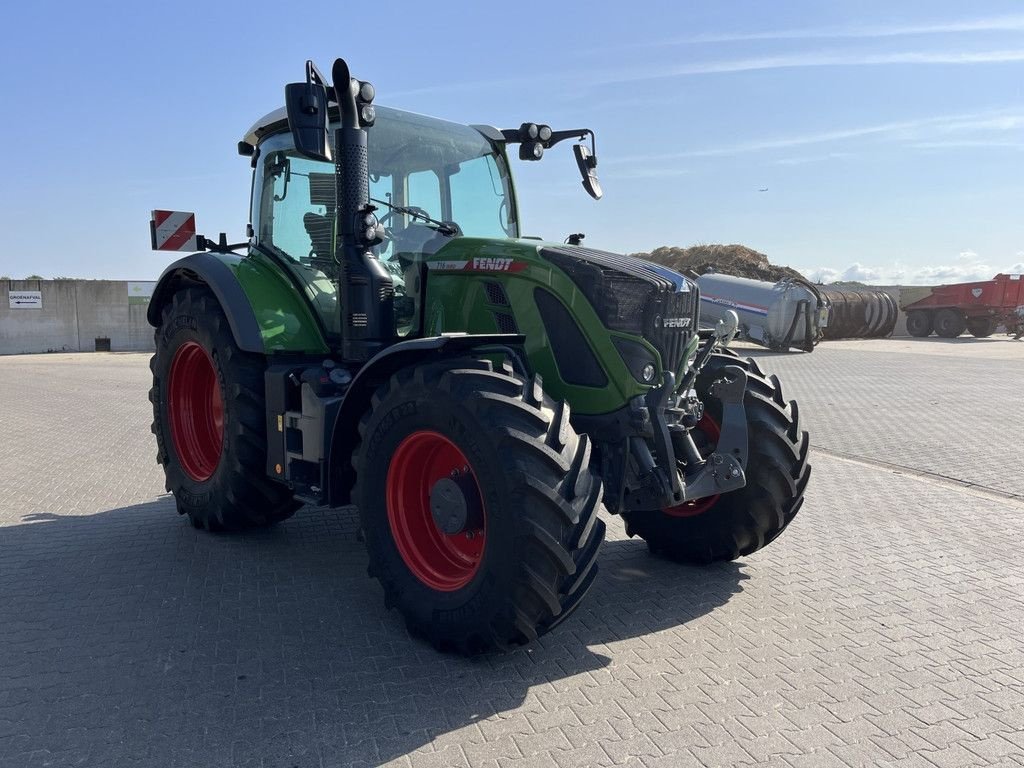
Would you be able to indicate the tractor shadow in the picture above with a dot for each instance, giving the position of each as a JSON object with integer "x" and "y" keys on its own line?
{"x": 141, "y": 640}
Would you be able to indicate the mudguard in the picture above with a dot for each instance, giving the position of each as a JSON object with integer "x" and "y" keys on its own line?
{"x": 266, "y": 312}
{"x": 356, "y": 403}
{"x": 208, "y": 269}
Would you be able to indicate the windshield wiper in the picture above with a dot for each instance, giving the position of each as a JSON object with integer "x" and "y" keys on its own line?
{"x": 445, "y": 228}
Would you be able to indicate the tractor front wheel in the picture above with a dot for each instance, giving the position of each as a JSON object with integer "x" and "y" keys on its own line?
{"x": 208, "y": 419}
{"x": 730, "y": 525}
{"x": 478, "y": 506}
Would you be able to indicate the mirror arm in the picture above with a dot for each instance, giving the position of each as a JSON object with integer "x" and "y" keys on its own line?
{"x": 513, "y": 136}
{"x": 578, "y": 133}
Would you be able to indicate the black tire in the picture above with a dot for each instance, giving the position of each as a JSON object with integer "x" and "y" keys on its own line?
{"x": 744, "y": 521}
{"x": 950, "y": 323}
{"x": 539, "y": 499}
{"x": 237, "y": 494}
{"x": 981, "y": 327}
{"x": 919, "y": 323}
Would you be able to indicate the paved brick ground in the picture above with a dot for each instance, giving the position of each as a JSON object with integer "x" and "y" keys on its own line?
{"x": 883, "y": 628}
{"x": 954, "y": 408}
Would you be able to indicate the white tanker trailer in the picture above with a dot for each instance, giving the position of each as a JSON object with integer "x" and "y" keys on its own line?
{"x": 788, "y": 314}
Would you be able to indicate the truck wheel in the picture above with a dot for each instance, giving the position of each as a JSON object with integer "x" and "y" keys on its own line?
{"x": 208, "y": 419}
{"x": 981, "y": 327}
{"x": 741, "y": 522}
{"x": 919, "y": 323}
{"x": 478, "y": 507}
{"x": 950, "y": 323}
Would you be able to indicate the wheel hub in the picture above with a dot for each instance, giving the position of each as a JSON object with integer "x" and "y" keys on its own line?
{"x": 455, "y": 504}
{"x": 195, "y": 411}
{"x": 435, "y": 511}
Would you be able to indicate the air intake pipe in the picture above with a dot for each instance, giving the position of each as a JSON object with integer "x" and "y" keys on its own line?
{"x": 366, "y": 290}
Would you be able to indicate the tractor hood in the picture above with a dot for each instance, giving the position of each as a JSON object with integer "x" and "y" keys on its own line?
{"x": 611, "y": 315}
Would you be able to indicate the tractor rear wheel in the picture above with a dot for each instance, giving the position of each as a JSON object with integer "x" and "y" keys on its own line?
{"x": 950, "y": 323}
{"x": 208, "y": 419}
{"x": 981, "y": 327}
{"x": 478, "y": 506}
{"x": 739, "y": 523}
{"x": 919, "y": 323}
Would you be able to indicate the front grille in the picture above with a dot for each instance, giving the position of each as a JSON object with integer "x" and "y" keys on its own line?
{"x": 635, "y": 296}
{"x": 662, "y": 327}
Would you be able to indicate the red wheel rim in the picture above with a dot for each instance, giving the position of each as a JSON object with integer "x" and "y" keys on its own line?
{"x": 196, "y": 411}
{"x": 709, "y": 427}
{"x": 445, "y": 562}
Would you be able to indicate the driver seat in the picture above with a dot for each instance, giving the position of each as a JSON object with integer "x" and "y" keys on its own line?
{"x": 320, "y": 230}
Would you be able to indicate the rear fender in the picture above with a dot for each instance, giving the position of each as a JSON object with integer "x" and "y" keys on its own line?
{"x": 206, "y": 269}
{"x": 266, "y": 312}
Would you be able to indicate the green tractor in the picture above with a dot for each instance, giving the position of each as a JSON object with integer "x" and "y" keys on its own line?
{"x": 387, "y": 338}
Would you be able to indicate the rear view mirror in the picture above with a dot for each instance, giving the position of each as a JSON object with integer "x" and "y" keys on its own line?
{"x": 587, "y": 163}
{"x": 307, "y": 118}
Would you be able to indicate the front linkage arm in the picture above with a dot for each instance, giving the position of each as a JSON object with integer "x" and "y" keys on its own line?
{"x": 665, "y": 443}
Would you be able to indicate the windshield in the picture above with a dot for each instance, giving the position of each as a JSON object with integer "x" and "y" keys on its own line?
{"x": 430, "y": 180}
{"x": 448, "y": 170}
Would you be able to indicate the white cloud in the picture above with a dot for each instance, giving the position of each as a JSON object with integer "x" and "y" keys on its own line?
{"x": 590, "y": 77}
{"x": 915, "y": 130}
{"x": 647, "y": 173}
{"x": 812, "y": 59}
{"x": 856, "y": 272}
{"x": 965, "y": 144}
{"x": 805, "y": 159}
{"x": 988, "y": 24}
{"x": 968, "y": 267}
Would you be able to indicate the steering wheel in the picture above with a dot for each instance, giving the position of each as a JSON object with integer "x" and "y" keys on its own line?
{"x": 415, "y": 209}
{"x": 391, "y": 235}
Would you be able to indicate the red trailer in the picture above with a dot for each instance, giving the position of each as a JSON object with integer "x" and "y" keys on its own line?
{"x": 976, "y": 307}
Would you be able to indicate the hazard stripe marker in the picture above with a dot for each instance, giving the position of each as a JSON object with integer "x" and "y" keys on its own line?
{"x": 173, "y": 231}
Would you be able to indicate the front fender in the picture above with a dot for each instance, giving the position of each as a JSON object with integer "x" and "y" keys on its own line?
{"x": 357, "y": 400}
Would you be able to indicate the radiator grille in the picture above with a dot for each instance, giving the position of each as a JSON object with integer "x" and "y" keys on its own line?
{"x": 635, "y": 296}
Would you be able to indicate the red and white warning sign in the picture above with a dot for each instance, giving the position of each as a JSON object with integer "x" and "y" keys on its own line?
{"x": 173, "y": 231}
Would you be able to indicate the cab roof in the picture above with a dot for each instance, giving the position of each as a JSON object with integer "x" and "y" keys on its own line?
{"x": 276, "y": 121}
{"x": 271, "y": 122}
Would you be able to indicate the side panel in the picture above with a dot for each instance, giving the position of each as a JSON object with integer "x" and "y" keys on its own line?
{"x": 1002, "y": 292}
{"x": 266, "y": 312}
{"x": 459, "y": 299}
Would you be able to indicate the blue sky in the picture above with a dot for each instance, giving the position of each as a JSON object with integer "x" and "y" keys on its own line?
{"x": 890, "y": 137}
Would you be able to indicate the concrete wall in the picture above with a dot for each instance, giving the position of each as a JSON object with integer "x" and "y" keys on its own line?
{"x": 74, "y": 314}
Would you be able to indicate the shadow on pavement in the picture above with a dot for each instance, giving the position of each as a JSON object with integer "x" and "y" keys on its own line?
{"x": 128, "y": 637}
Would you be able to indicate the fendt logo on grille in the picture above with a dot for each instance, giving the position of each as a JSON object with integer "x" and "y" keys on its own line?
{"x": 676, "y": 322}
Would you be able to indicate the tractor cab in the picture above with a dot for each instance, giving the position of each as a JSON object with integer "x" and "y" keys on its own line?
{"x": 430, "y": 181}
